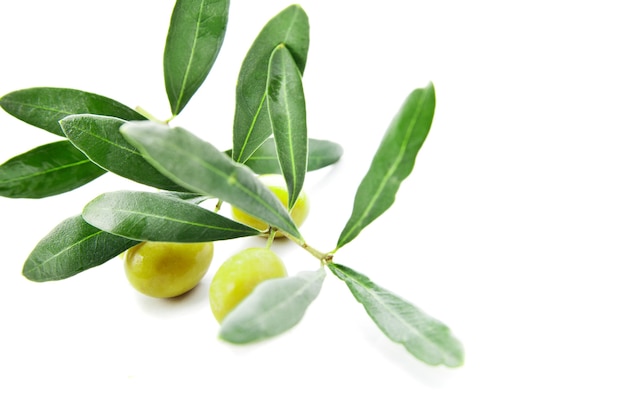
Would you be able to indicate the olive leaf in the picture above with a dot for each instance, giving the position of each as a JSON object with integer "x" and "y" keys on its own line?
{"x": 100, "y": 139}
{"x": 72, "y": 247}
{"x": 423, "y": 336}
{"x": 322, "y": 153}
{"x": 159, "y": 217}
{"x": 273, "y": 307}
{"x": 194, "y": 39}
{"x": 44, "y": 107}
{"x": 392, "y": 163}
{"x": 47, "y": 170}
{"x": 200, "y": 167}
{"x": 252, "y": 124}
{"x": 287, "y": 109}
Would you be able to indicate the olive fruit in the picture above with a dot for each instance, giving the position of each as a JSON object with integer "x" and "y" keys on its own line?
{"x": 239, "y": 274}
{"x": 276, "y": 184}
{"x": 167, "y": 269}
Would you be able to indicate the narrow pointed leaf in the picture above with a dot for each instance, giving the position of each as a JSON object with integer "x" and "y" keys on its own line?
{"x": 424, "y": 337}
{"x": 100, "y": 139}
{"x": 43, "y": 107}
{"x": 273, "y": 307}
{"x": 200, "y": 167}
{"x": 158, "y": 217}
{"x": 392, "y": 163}
{"x": 70, "y": 248}
{"x": 194, "y": 39}
{"x": 252, "y": 124}
{"x": 47, "y": 170}
{"x": 322, "y": 153}
{"x": 287, "y": 109}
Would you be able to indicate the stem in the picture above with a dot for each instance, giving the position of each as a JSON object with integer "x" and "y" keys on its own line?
{"x": 323, "y": 257}
{"x": 270, "y": 238}
{"x": 145, "y": 113}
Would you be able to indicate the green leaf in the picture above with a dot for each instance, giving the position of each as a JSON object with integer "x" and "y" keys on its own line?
{"x": 273, "y": 307}
{"x": 392, "y": 163}
{"x": 158, "y": 217}
{"x": 43, "y": 107}
{"x": 72, "y": 247}
{"x": 200, "y": 167}
{"x": 322, "y": 153}
{"x": 189, "y": 197}
{"x": 47, "y": 170}
{"x": 287, "y": 111}
{"x": 194, "y": 39}
{"x": 100, "y": 139}
{"x": 423, "y": 336}
{"x": 252, "y": 124}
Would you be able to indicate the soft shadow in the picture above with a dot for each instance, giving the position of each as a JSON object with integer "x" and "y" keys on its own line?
{"x": 192, "y": 300}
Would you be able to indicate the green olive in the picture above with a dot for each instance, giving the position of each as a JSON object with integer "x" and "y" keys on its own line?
{"x": 167, "y": 269}
{"x": 238, "y": 276}
{"x": 276, "y": 184}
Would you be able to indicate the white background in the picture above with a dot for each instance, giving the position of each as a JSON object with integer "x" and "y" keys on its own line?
{"x": 511, "y": 228}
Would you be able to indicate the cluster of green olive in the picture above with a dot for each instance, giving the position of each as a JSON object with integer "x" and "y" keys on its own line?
{"x": 168, "y": 269}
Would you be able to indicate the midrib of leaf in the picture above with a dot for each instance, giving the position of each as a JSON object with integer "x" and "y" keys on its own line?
{"x": 105, "y": 140}
{"x": 260, "y": 107}
{"x": 67, "y": 166}
{"x": 193, "y": 50}
{"x": 251, "y": 128}
{"x": 207, "y": 226}
{"x": 33, "y": 106}
{"x": 389, "y": 173}
{"x": 86, "y": 238}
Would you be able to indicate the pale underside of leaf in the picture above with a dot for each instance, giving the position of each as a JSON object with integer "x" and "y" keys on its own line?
{"x": 273, "y": 307}
{"x": 423, "y": 336}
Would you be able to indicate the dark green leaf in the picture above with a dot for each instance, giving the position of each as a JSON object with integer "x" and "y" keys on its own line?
{"x": 322, "y": 153}
{"x": 100, "y": 139}
{"x": 273, "y": 307}
{"x": 252, "y": 124}
{"x": 43, "y": 107}
{"x": 200, "y": 167}
{"x": 287, "y": 111}
{"x": 194, "y": 39}
{"x": 158, "y": 217}
{"x": 423, "y": 336}
{"x": 392, "y": 163}
{"x": 47, "y": 170}
{"x": 72, "y": 247}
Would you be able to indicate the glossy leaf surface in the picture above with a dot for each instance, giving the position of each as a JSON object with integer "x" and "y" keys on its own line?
{"x": 70, "y": 248}
{"x": 322, "y": 153}
{"x": 252, "y": 124}
{"x": 100, "y": 139}
{"x": 287, "y": 109}
{"x": 423, "y": 336}
{"x": 44, "y": 107}
{"x": 194, "y": 39}
{"x": 200, "y": 167}
{"x": 392, "y": 163}
{"x": 273, "y": 307}
{"x": 47, "y": 170}
{"x": 158, "y": 217}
